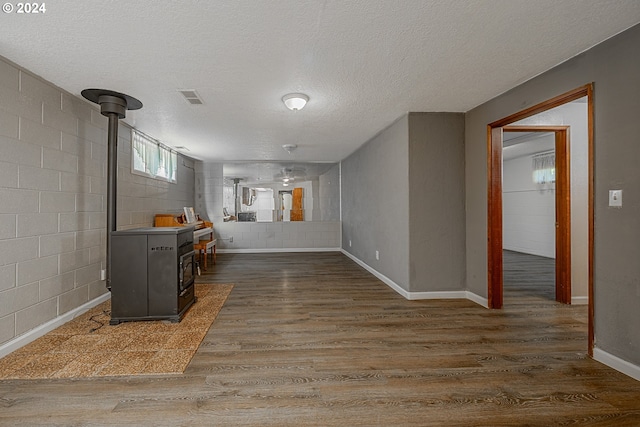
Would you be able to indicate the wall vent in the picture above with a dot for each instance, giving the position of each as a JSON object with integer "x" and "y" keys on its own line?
{"x": 191, "y": 96}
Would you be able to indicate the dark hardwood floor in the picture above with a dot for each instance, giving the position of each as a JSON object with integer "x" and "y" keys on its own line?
{"x": 528, "y": 276}
{"x": 313, "y": 339}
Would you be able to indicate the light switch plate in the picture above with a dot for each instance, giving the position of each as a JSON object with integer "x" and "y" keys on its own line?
{"x": 615, "y": 198}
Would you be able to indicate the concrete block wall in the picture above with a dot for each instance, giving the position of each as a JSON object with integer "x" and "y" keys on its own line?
{"x": 140, "y": 197}
{"x": 209, "y": 188}
{"x": 278, "y": 235}
{"x": 528, "y": 209}
{"x": 52, "y": 200}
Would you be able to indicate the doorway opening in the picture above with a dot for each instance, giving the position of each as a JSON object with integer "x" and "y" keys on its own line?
{"x": 557, "y": 176}
{"x": 285, "y": 204}
{"x": 495, "y": 215}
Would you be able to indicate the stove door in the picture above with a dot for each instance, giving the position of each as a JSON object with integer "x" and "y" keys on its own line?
{"x": 187, "y": 270}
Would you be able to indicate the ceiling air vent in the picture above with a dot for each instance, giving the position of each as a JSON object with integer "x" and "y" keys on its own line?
{"x": 191, "y": 96}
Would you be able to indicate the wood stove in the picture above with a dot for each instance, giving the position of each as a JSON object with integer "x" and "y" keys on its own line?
{"x": 153, "y": 273}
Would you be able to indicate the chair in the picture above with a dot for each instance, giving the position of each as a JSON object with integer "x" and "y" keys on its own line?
{"x": 204, "y": 245}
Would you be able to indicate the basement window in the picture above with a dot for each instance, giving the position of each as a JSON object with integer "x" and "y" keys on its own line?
{"x": 544, "y": 168}
{"x": 153, "y": 159}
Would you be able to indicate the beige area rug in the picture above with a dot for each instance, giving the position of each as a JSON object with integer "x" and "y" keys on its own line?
{"x": 88, "y": 346}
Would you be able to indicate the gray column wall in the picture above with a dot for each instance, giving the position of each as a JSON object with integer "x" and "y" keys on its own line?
{"x": 614, "y": 67}
{"x": 436, "y": 202}
{"x": 375, "y": 203}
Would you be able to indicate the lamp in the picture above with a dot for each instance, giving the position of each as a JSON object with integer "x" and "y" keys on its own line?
{"x": 295, "y": 101}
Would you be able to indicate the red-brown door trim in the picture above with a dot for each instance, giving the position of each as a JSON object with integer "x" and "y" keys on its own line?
{"x": 494, "y": 176}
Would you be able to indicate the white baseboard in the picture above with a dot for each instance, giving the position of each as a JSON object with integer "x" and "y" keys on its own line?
{"x": 616, "y": 363}
{"x": 274, "y": 250}
{"x": 438, "y": 295}
{"x": 419, "y": 295}
{"x": 579, "y": 300}
{"x": 41, "y": 330}
{"x": 393, "y": 285}
{"x": 478, "y": 299}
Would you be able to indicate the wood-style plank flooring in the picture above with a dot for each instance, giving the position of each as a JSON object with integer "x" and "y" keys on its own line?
{"x": 526, "y": 276}
{"x": 313, "y": 339}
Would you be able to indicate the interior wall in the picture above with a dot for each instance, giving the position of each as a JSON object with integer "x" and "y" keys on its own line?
{"x": 53, "y": 207}
{"x": 528, "y": 209}
{"x": 140, "y": 197}
{"x": 614, "y": 67}
{"x": 375, "y": 203}
{"x": 436, "y": 202}
{"x": 329, "y": 194}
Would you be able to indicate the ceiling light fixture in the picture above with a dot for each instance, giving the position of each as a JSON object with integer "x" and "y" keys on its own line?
{"x": 295, "y": 101}
{"x": 289, "y": 148}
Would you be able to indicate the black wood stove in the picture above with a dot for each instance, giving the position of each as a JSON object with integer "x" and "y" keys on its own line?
{"x": 153, "y": 273}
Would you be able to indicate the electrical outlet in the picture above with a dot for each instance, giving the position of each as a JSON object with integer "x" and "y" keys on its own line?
{"x": 377, "y": 255}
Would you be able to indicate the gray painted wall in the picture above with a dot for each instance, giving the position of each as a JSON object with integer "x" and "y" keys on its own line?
{"x": 436, "y": 202}
{"x": 614, "y": 67}
{"x": 52, "y": 200}
{"x": 330, "y": 194}
{"x": 375, "y": 202}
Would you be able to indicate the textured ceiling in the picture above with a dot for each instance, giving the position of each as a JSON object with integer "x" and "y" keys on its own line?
{"x": 363, "y": 63}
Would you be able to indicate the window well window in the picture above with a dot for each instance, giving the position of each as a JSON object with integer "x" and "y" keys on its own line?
{"x": 544, "y": 168}
{"x": 151, "y": 158}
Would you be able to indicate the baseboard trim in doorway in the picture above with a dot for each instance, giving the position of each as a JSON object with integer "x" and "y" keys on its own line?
{"x": 616, "y": 363}
{"x": 34, "y": 334}
{"x": 419, "y": 295}
{"x": 438, "y": 295}
{"x": 478, "y": 299}
{"x": 579, "y": 300}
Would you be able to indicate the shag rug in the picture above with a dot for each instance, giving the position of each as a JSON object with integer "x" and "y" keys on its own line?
{"x": 88, "y": 346}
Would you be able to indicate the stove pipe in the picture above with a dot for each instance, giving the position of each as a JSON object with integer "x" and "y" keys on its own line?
{"x": 113, "y": 105}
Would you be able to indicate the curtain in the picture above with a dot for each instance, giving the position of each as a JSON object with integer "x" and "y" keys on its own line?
{"x": 153, "y": 159}
{"x": 544, "y": 168}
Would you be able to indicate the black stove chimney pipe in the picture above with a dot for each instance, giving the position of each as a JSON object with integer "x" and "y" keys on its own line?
{"x": 113, "y": 105}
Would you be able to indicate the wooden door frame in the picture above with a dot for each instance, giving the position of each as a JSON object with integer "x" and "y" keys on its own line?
{"x": 494, "y": 196}
{"x": 562, "y": 205}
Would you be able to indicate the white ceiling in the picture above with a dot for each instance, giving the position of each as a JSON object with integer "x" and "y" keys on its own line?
{"x": 269, "y": 172}
{"x": 363, "y": 63}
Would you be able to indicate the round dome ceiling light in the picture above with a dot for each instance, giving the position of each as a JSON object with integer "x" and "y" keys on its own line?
{"x": 295, "y": 101}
